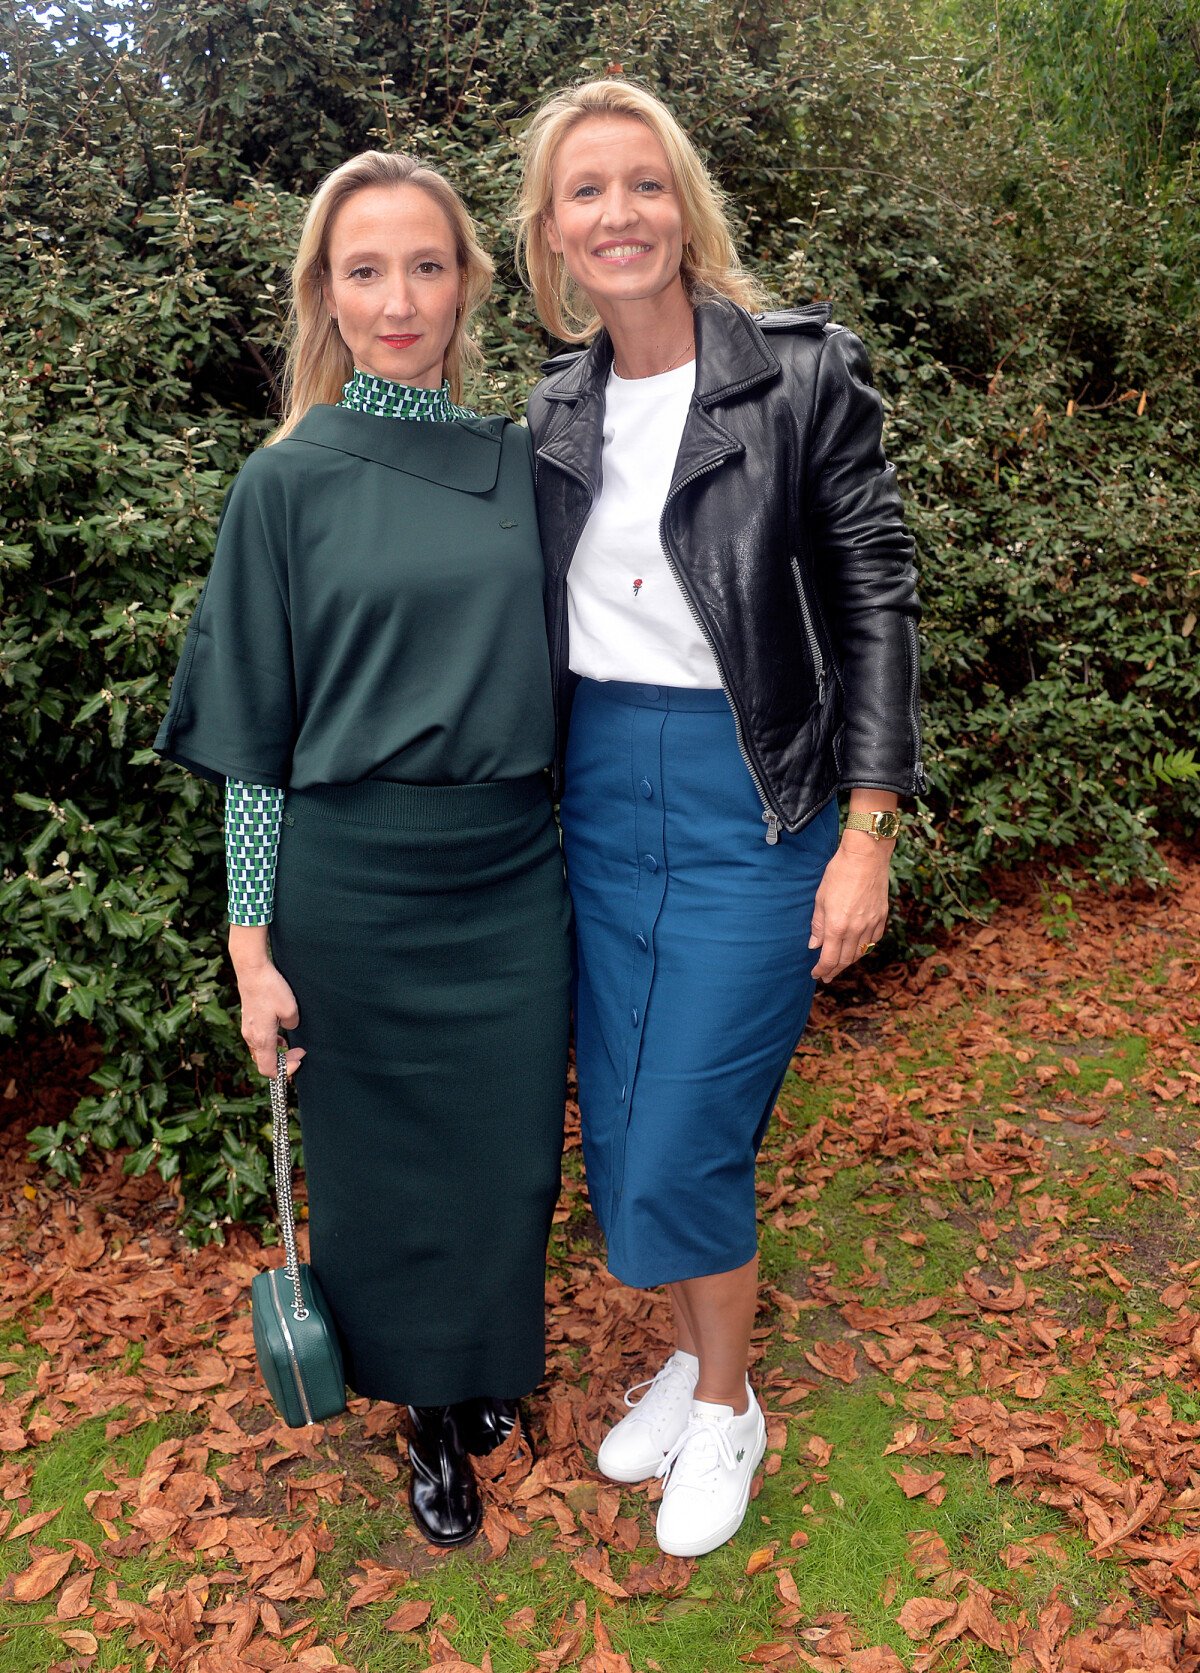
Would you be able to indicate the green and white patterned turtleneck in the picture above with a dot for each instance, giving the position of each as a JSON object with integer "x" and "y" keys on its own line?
{"x": 253, "y": 811}
{"x": 367, "y": 393}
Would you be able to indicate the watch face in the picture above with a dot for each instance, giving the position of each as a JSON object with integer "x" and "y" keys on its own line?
{"x": 888, "y": 824}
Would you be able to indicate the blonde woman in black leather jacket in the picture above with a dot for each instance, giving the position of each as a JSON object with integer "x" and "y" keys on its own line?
{"x": 732, "y": 614}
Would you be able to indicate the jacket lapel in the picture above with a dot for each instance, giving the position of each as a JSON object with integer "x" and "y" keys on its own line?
{"x": 704, "y": 445}
{"x": 576, "y": 440}
{"x": 732, "y": 356}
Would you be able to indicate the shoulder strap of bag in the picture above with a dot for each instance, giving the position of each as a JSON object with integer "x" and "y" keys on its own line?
{"x": 283, "y": 1181}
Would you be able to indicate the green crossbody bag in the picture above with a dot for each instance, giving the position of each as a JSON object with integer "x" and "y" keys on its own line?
{"x": 294, "y": 1334}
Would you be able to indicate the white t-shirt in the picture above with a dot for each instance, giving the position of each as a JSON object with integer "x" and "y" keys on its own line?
{"x": 626, "y": 615}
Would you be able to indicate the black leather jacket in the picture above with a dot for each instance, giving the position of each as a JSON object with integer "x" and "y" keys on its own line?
{"x": 784, "y": 528}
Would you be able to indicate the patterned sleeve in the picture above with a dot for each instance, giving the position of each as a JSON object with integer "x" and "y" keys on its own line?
{"x": 252, "y": 818}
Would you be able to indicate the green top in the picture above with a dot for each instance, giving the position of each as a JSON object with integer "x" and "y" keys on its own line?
{"x": 374, "y": 609}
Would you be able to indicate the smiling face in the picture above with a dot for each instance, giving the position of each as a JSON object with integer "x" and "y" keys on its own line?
{"x": 394, "y": 283}
{"x": 615, "y": 216}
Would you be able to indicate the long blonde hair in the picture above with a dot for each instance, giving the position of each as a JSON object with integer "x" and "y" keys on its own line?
{"x": 710, "y": 266}
{"x": 317, "y": 361}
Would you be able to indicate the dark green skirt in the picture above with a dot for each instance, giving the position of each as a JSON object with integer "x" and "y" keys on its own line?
{"x": 424, "y": 931}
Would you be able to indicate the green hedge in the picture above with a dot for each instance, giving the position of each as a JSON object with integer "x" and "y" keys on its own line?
{"x": 1033, "y": 320}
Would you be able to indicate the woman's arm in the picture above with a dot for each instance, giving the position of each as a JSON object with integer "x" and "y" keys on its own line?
{"x": 863, "y": 565}
{"x": 252, "y": 818}
{"x": 867, "y": 578}
{"x": 852, "y": 901}
{"x": 253, "y": 815}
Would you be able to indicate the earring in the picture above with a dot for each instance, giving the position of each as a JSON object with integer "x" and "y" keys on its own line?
{"x": 333, "y": 319}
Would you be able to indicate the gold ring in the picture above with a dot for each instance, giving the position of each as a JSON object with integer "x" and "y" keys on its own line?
{"x": 867, "y": 947}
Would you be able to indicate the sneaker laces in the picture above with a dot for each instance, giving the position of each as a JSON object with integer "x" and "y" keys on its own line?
{"x": 663, "y": 1389}
{"x": 706, "y": 1441}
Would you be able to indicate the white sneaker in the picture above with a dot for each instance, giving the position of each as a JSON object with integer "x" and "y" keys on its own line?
{"x": 709, "y": 1471}
{"x": 636, "y": 1446}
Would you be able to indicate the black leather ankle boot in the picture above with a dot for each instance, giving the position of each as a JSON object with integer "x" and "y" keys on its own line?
{"x": 486, "y": 1422}
{"x": 441, "y": 1488}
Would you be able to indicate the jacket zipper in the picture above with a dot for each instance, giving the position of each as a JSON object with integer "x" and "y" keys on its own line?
{"x": 913, "y": 689}
{"x": 814, "y": 644}
{"x": 771, "y": 816}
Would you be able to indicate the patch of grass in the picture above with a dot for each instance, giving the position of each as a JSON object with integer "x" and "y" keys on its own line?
{"x": 1184, "y": 1402}
{"x": 12, "y": 1335}
{"x": 935, "y": 1267}
{"x": 1158, "y": 1230}
{"x": 854, "y": 1544}
{"x": 858, "y": 1529}
{"x": 32, "y": 1649}
{"x": 16, "y": 1347}
{"x": 64, "y": 1472}
{"x": 836, "y": 1236}
{"x": 723, "y": 1615}
{"x": 858, "y": 1522}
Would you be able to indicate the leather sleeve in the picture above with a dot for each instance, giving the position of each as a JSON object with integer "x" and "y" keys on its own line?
{"x": 862, "y": 560}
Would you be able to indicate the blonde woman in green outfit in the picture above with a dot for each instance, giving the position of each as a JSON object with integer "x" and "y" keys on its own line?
{"x": 366, "y": 674}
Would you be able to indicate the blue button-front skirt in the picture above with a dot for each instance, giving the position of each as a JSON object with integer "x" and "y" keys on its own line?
{"x": 695, "y": 975}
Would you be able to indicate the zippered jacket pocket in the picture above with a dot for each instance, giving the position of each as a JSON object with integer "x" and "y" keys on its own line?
{"x": 810, "y": 631}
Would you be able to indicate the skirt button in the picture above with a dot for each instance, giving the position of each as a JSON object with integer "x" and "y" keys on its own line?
{"x": 650, "y": 863}
{"x": 642, "y": 942}
{"x": 647, "y": 789}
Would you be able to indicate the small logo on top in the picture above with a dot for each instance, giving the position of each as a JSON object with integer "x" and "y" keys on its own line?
{"x": 637, "y": 586}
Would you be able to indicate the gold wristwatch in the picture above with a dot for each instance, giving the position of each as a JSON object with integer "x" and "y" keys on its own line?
{"x": 882, "y": 826}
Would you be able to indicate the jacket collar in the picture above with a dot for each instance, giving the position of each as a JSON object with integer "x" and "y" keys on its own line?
{"x": 732, "y": 355}
{"x": 463, "y": 455}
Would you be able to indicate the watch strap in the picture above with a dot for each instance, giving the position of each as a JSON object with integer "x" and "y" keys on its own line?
{"x": 881, "y": 825}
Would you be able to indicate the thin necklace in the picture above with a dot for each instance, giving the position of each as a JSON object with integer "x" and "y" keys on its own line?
{"x": 669, "y": 367}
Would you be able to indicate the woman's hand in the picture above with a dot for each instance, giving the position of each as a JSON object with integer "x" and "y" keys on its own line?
{"x": 268, "y": 1003}
{"x": 852, "y": 902}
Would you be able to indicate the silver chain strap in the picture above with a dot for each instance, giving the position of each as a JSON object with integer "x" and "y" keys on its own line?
{"x": 283, "y": 1181}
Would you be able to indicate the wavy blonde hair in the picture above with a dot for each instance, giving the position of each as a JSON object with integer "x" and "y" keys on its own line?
{"x": 317, "y": 361}
{"x": 710, "y": 266}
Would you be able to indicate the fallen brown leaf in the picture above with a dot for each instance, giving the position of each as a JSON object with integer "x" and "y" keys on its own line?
{"x": 762, "y": 1558}
{"x": 76, "y": 1638}
{"x": 592, "y": 1566}
{"x": 835, "y": 1359}
{"x": 31, "y": 1524}
{"x": 409, "y": 1616}
{"x": 913, "y": 1483}
{"x": 39, "y": 1579}
{"x": 992, "y": 1300}
{"x": 920, "y": 1615}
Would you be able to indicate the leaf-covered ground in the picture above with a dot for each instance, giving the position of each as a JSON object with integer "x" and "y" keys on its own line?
{"x": 979, "y": 1351}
